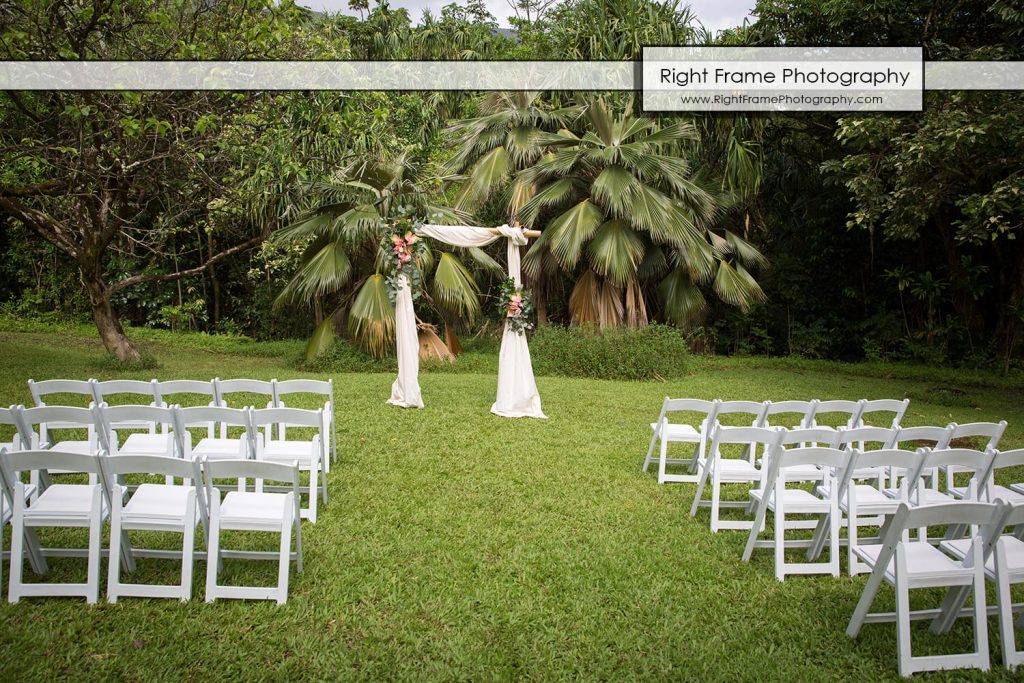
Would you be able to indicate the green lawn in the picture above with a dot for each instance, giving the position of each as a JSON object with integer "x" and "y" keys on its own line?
{"x": 460, "y": 545}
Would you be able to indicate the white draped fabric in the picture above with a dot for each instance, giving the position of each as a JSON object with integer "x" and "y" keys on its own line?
{"x": 405, "y": 391}
{"x": 517, "y": 394}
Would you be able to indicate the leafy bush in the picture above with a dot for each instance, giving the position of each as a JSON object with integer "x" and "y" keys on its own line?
{"x": 652, "y": 352}
{"x": 146, "y": 361}
{"x": 342, "y": 356}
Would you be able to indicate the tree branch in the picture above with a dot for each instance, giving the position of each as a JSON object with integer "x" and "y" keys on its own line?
{"x": 47, "y": 188}
{"x": 168, "y": 277}
{"x": 51, "y": 230}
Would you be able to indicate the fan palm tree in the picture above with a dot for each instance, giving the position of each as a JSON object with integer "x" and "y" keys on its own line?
{"x": 621, "y": 208}
{"x": 342, "y": 260}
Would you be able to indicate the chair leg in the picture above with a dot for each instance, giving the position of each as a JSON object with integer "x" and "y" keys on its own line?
{"x": 95, "y": 546}
{"x": 314, "y": 491}
{"x": 650, "y": 451}
{"x": 780, "y": 538}
{"x": 833, "y": 519}
{"x": 756, "y": 529}
{"x": 188, "y": 548}
{"x": 981, "y": 611}
{"x": 17, "y": 547}
{"x": 698, "y": 496}
{"x": 114, "y": 557}
{"x": 662, "y": 460}
{"x": 213, "y": 549}
{"x": 903, "y": 623}
{"x": 716, "y": 498}
{"x": 866, "y": 598}
{"x": 284, "y": 561}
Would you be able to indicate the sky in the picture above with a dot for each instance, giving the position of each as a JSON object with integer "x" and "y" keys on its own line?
{"x": 714, "y": 14}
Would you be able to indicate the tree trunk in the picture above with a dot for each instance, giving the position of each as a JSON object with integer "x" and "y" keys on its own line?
{"x": 111, "y": 333}
{"x": 214, "y": 282}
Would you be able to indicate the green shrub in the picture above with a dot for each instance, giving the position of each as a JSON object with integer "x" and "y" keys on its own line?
{"x": 146, "y": 361}
{"x": 342, "y": 356}
{"x": 652, "y": 352}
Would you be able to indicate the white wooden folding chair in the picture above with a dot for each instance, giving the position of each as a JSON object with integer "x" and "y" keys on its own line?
{"x": 788, "y": 414}
{"x": 866, "y": 505}
{"x": 224, "y": 390}
{"x": 253, "y": 511}
{"x": 218, "y": 443}
{"x": 872, "y": 411}
{"x": 167, "y": 507}
{"x": 966, "y": 460}
{"x": 310, "y": 453}
{"x": 1004, "y": 566}
{"x": 867, "y": 439}
{"x": 845, "y": 413}
{"x": 801, "y": 437}
{"x": 322, "y": 388}
{"x": 60, "y": 505}
{"x": 39, "y": 425}
{"x": 665, "y": 432}
{"x": 114, "y": 391}
{"x": 722, "y": 470}
{"x": 150, "y": 430}
{"x": 751, "y": 414}
{"x": 907, "y": 565}
{"x": 912, "y": 438}
{"x": 13, "y": 441}
{"x": 774, "y": 496}
{"x": 992, "y": 431}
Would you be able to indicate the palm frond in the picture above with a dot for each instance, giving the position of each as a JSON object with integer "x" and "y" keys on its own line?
{"x": 615, "y": 251}
{"x": 571, "y": 230}
{"x": 371, "y": 317}
{"x": 454, "y": 288}
{"x": 736, "y": 286}
{"x": 682, "y": 301}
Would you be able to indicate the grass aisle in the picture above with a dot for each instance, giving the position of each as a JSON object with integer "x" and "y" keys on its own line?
{"x": 460, "y": 545}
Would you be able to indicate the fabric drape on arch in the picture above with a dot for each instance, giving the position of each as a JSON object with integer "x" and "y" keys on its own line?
{"x": 517, "y": 394}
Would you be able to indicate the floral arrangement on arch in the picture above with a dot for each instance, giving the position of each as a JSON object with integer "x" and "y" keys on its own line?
{"x": 404, "y": 250}
{"x": 517, "y": 305}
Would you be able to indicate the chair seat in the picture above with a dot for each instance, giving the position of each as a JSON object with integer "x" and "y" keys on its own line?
{"x": 249, "y": 508}
{"x": 1014, "y": 548}
{"x": 924, "y": 496}
{"x": 997, "y": 491}
{"x": 148, "y": 444}
{"x": 926, "y": 564}
{"x": 734, "y": 470}
{"x": 871, "y": 501}
{"x": 73, "y": 447}
{"x": 157, "y": 502}
{"x": 287, "y": 451}
{"x": 219, "y": 448}
{"x": 679, "y": 432}
{"x": 64, "y": 501}
{"x": 1017, "y": 488}
{"x": 795, "y": 501}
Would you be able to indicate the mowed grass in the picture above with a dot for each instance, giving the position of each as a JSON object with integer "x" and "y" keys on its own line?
{"x": 460, "y": 545}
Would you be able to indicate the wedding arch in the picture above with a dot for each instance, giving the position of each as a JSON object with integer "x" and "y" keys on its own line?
{"x": 517, "y": 394}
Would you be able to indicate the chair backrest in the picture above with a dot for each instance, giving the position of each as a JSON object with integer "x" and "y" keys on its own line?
{"x": 51, "y": 417}
{"x": 993, "y": 431}
{"x": 196, "y": 416}
{"x": 940, "y": 436}
{"x": 975, "y": 462}
{"x": 302, "y": 386}
{"x": 962, "y": 513}
{"x": 809, "y": 435}
{"x": 802, "y": 410}
{"x": 7, "y": 420}
{"x": 47, "y": 387}
{"x": 1001, "y": 460}
{"x": 883, "y": 436}
{"x": 752, "y": 408}
{"x": 769, "y": 438}
{"x": 164, "y": 390}
{"x": 706, "y": 409}
{"x": 252, "y": 469}
{"x": 147, "y": 391}
{"x": 817, "y": 456}
{"x": 851, "y": 410}
{"x": 293, "y": 417}
{"x": 23, "y": 461}
{"x": 884, "y": 405}
{"x": 224, "y": 387}
{"x": 118, "y": 465}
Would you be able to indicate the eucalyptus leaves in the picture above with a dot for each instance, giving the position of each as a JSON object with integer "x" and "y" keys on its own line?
{"x": 404, "y": 250}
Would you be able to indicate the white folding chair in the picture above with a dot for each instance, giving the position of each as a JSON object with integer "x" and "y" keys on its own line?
{"x": 1004, "y": 566}
{"x": 781, "y": 500}
{"x": 906, "y": 565}
{"x": 912, "y": 438}
{"x": 848, "y": 413}
{"x": 751, "y": 415}
{"x": 49, "y": 387}
{"x": 253, "y": 511}
{"x": 217, "y": 444}
{"x": 732, "y": 470}
{"x": 866, "y": 505}
{"x": 60, "y": 505}
{"x": 310, "y": 454}
{"x": 976, "y": 463}
{"x": 324, "y": 388}
{"x": 665, "y": 432}
{"x": 867, "y": 439}
{"x": 36, "y": 425}
{"x": 791, "y": 414}
{"x": 800, "y": 437}
{"x": 166, "y": 507}
{"x": 151, "y": 430}
{"x": 993, "y": 431}
{"x": 872, "y": 407}
{"x": 225, "y": 388}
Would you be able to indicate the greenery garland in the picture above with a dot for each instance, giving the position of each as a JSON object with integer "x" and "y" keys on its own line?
{"x": 516, "y": 306}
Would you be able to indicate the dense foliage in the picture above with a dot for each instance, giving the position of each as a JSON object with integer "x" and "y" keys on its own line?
{"x": 886, "y": 237}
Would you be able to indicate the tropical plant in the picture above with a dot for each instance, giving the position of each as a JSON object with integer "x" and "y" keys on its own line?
{"x": 344, "y": 264}
{"x": 621, "y": 212}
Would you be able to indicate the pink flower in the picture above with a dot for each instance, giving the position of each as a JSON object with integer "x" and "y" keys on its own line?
{"x": 515, "y": 299}
{"x": 396, "y": 239}
{"x": 410, "y": 238}
{"x": 404, "y": 258}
